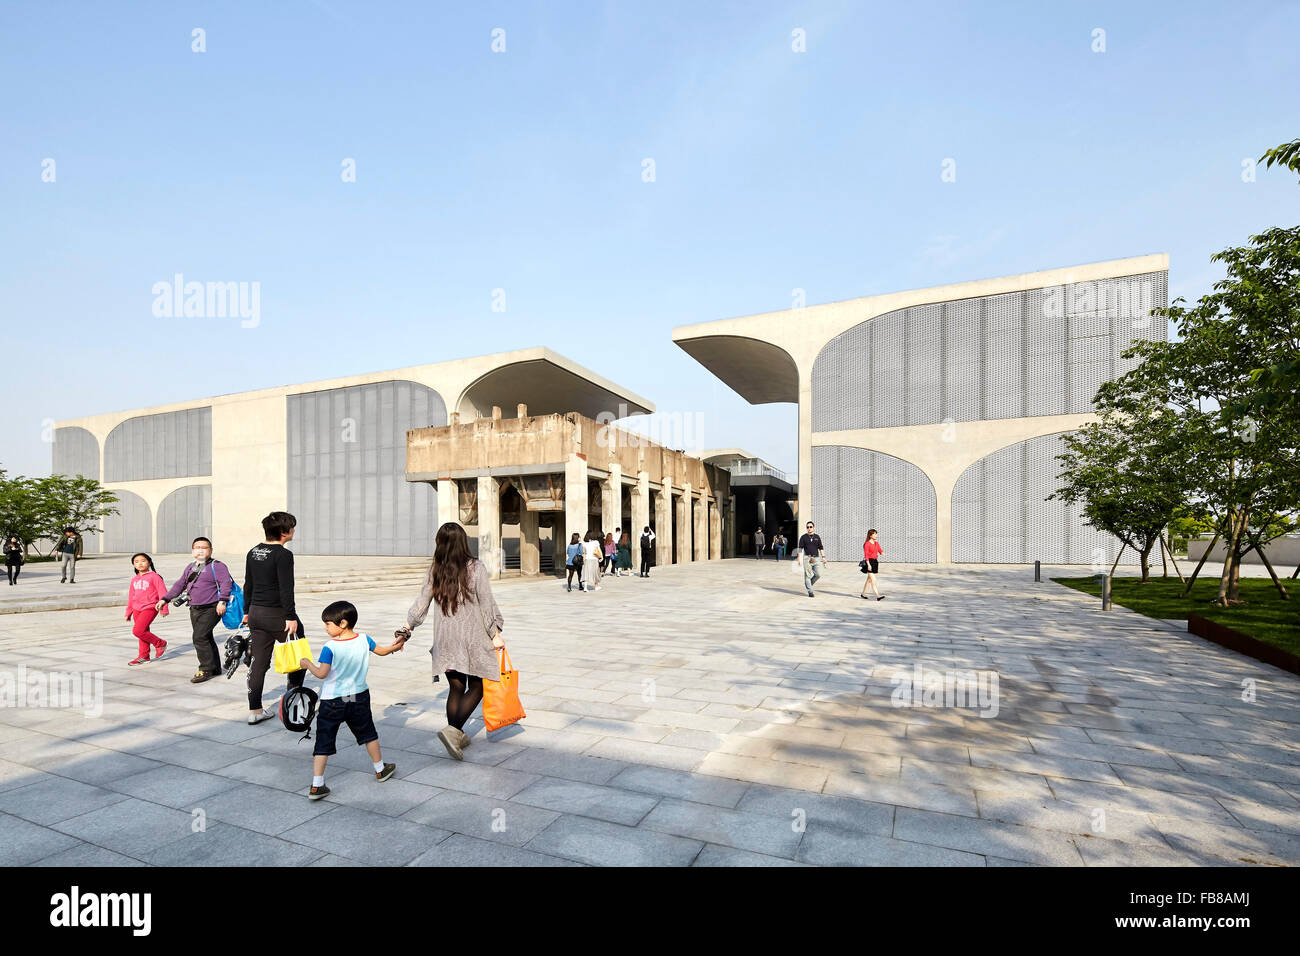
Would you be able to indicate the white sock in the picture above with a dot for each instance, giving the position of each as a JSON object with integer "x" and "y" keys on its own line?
{"x": 318, "y": 781}
{"x": 379, "y": 765}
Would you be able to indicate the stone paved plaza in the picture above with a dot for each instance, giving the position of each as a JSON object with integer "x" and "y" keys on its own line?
{"x": 709, "y": 715}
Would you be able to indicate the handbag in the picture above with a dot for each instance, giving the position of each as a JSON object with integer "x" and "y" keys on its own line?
{"x": 862, "y": 566}
{"x": 501, "y": 704}
{"x": 289, "y": 653}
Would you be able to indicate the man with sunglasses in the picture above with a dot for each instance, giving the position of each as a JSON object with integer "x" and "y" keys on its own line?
{"x": 813, "y": 556}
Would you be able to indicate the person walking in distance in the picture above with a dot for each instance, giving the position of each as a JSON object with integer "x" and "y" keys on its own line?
{"x": 206, "y": 584}
{"x": 13, "y": 559}
{"x": 591, "y": 558}
{"x": 143, "y": 605}
{"x": 466, "y": 630}
{"x": 779, "y": 543}
{"x": 813, "y": 556}
{"x": 871, "y": 552}
{"x": 623, "y": 556}
{"x": 611, "y": 550}
{"x": 573, "y": 562}
{"x": 759, "y": 543}
{"x": 67, "y": 551}
{"x": 271, "y": 614}
{"x": 647, "y": 551}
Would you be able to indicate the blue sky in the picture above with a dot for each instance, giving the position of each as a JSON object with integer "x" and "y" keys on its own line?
{"x": 522, "y": 171}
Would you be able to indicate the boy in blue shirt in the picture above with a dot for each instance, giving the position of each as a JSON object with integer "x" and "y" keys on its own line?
{"x": 345, "y": 697}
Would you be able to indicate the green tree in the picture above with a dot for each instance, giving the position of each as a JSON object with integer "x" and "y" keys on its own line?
{"x": 75, "y": 501}
{"x": 1125, "y": 470}
{"x": 1239, "y": 451}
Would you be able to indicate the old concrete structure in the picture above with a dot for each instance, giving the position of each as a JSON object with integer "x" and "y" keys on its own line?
{"x": 935, "y": 415}
{"x": 536, "y": 479}
{"x": 331, "y": 452}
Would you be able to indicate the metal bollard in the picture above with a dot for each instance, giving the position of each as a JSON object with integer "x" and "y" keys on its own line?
{"x": 1038, "y": 572}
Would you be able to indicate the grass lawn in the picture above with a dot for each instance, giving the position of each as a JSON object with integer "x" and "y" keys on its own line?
{"x": 1264, "y": 616}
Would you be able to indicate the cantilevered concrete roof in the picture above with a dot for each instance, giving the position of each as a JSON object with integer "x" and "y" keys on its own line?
{"x": 762, "y": 356}
{"x": 547, "y": 383}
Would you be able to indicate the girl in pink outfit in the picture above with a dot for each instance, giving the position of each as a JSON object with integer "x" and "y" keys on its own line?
{"x": 147, "y": 589}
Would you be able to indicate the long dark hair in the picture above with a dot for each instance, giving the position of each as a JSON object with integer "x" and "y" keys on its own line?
{"x": 449, "y": 573}
{"x": 141, "y": 554}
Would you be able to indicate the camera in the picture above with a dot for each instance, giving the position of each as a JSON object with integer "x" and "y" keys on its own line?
{"x": 181, "y": 601}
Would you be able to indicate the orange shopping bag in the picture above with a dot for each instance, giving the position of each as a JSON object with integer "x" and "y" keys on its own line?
{"x": 501, "y": 704}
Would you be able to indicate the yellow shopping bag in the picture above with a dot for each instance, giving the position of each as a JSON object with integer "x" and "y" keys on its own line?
{"x": 288, "y": 654}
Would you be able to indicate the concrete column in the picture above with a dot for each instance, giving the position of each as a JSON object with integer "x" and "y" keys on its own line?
{"x": 575, "y": 497}
{"x": 611, "y": 500}
{"x": 448, "y": 501}
{"x": 530, "y": 554}
{"x": 489, "y": 524}
{"x": 682, "y": 531}
{"x": 701, "y": 516}
{"x": 762, "y": 510}
{"x": 715, "y": 530}
{"x": 640, "y": 516}
{"x": 560, "y": 540}
{"x": 664, "y": 525}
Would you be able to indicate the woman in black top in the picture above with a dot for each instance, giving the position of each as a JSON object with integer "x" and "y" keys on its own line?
{"x": 271, "y": 615}
{"x": 13, "y": 559}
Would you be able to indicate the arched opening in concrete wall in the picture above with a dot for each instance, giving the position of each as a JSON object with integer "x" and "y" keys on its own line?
{"x": 1001, "y": 515}
{"x": 346, "y": 469}
{"x": 854, "y": 490}
{"x": 184, "y": 515}
{"x": 131, "y": 529}
{"x": 75, "y": 452}
{"x": 166, "y": 445}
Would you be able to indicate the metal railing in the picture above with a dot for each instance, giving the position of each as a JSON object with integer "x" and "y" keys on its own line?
{"x": 756, "y": 468}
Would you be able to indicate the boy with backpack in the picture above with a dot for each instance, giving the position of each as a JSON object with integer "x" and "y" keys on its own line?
{"x": 345, "y": 696}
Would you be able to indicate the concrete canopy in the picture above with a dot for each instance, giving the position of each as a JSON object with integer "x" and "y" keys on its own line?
{"x": 547, "y": 383}
{"x": 760, "y": 372}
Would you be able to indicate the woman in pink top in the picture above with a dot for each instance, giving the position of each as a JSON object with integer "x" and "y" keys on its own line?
{"x": 871, "y": 552}
{"x": 147, "y": 589}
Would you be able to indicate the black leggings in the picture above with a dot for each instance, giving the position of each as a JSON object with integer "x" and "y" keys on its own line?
{"x": 13, "y": 570}
{"x": 464, "y": 694}
{"x": 575, "y": 569}
{"x": 266, "y": 626}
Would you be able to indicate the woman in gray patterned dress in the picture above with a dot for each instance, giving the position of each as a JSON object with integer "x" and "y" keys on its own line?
{"x": 466, "y": 629}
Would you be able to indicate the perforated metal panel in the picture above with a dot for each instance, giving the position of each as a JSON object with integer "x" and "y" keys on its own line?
{"x": 184, "y": 515}
{"x": 1038, "y": 352}
{"x": 854, "y": 489}
{"x": 1000, "y": 514}
{"x": 347, "y": 469}
{"x": 167, "y": 445}
{"x": 132, "y": 528}
{"x": 75, "y": 452}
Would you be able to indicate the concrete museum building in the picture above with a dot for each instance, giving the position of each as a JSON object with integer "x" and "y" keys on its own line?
{"x": 935, "y": 415}
{"x": 334, "y": 453}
